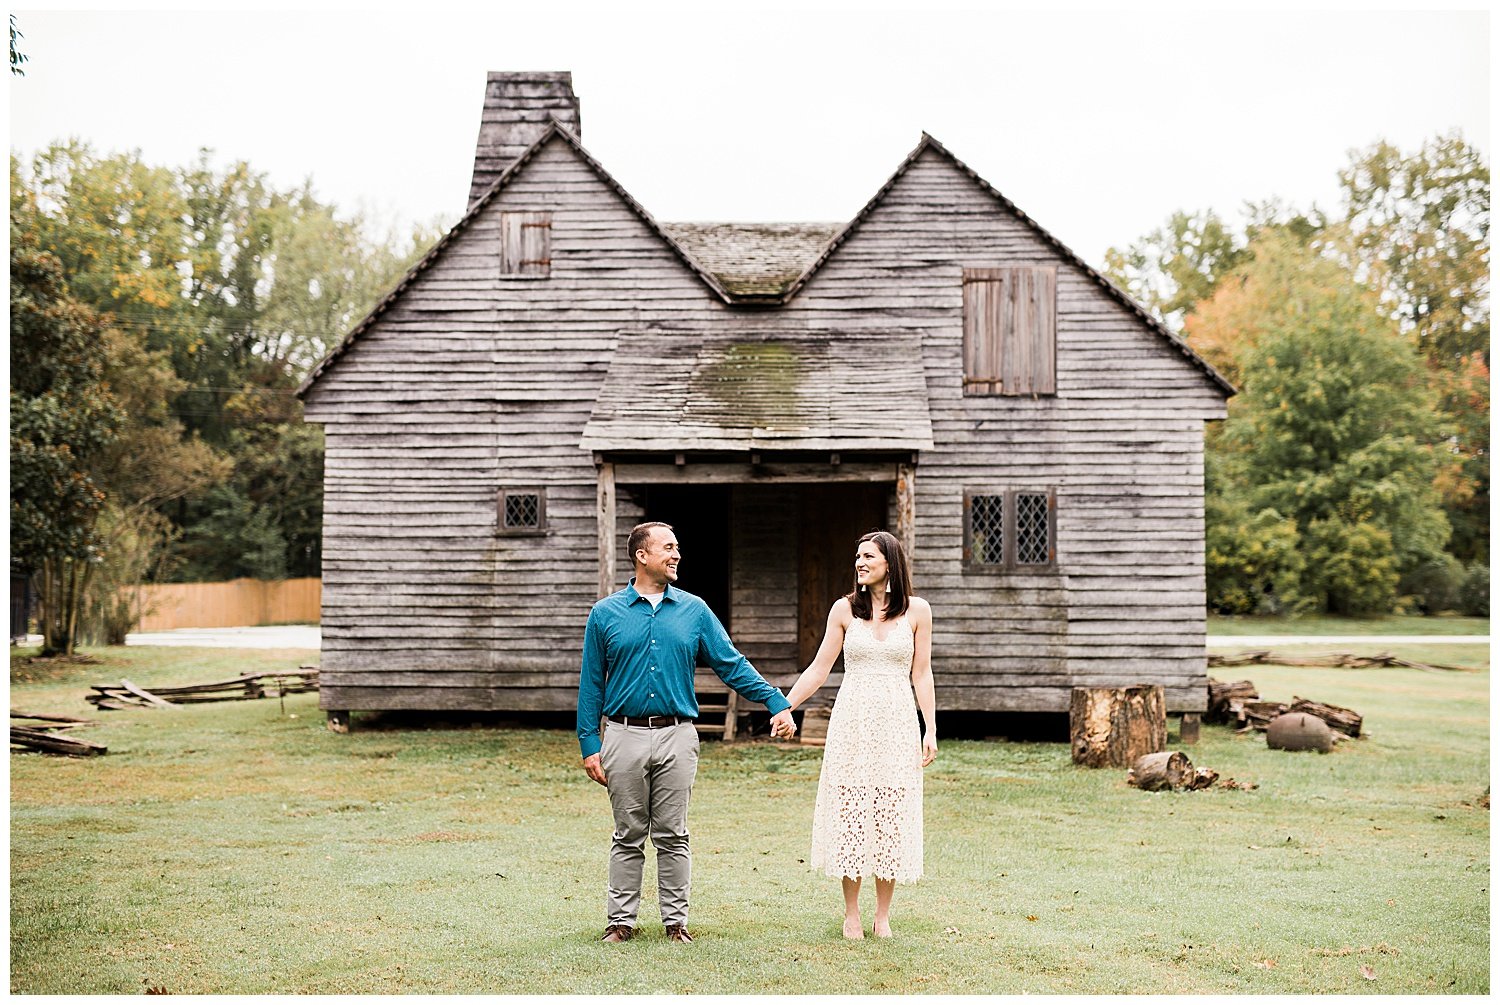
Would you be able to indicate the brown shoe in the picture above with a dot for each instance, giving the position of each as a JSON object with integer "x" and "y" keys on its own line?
{"x": 617, "y": 933}
{"x": 678, "y": 933}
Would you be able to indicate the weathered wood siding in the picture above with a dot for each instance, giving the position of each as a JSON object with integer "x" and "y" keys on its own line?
{"x": 473, "y": 381}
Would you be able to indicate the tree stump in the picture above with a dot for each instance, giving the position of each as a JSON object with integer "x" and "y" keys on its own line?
{"x": 1112, "y": 727}
{"x": 1165, "y": 770}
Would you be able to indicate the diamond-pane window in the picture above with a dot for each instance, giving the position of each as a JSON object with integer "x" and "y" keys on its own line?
{"x": 1032, "y": 537}
{"x": 987, "y": 530}
{"x": 523, "y": 512}
{"x": 1010, "y": 531}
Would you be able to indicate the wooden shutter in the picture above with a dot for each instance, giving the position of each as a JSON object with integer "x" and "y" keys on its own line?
{"x": 1010, "y": 330}
{"x": 525, "y": 244}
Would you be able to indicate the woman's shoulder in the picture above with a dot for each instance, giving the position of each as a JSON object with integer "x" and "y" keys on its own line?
{"x": 919, "y": 607}
{"x": 842, "y": 608}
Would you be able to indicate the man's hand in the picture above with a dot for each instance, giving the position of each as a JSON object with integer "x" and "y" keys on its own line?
{"x": 782, "y": 726}
{"x": 594, "y": 767}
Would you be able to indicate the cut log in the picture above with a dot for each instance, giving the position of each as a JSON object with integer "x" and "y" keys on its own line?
{"x": 1113, "y": 727}
{"x": 1221, "y": 694}
{"x": 1163, "y": 770}
{"x": 1258, "y": 714}
{"x": 1344, "y": 720}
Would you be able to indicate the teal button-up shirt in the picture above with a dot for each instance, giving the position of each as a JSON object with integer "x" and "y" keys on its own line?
{"x": 639, "y": 662}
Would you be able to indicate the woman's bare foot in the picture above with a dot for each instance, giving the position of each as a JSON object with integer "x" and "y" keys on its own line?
{"x": 854, "y": 928}
{"x": 882, "y": 928}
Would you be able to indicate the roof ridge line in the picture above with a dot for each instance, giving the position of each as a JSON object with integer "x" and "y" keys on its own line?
{"x": 553, "y": 129}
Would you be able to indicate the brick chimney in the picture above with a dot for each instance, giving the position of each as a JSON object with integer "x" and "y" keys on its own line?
{"x": 517, "y": 108}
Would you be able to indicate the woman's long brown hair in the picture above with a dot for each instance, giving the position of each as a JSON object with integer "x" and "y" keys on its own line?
{"x": 897, "y": 582}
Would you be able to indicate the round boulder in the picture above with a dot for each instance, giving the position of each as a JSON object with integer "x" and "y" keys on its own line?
{"x": 1299, "y": 731}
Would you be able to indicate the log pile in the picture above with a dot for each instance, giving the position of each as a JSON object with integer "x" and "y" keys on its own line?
{"x": 1237, "y": 703}
{"x": 44, "y": 733}
{"x": 1348, "y": 660}
{"x": 249, "y": 686}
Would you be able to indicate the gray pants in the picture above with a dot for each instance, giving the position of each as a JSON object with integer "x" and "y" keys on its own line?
{"x": 650, "y": 776}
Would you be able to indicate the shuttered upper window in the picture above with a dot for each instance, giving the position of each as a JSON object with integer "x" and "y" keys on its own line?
{"x": 1010, "y": 330}
{"x": 525, "y": 244}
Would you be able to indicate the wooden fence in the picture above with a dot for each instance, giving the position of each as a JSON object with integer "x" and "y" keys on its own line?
{"x": 233, "y": 604}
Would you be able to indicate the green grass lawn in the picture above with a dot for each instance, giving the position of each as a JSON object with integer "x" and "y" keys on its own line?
{"x": 1323, "y": 624}
{"x": 232, "y": 848}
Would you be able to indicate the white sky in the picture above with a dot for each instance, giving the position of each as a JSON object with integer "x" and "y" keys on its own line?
{"x": 1098, "y": 124}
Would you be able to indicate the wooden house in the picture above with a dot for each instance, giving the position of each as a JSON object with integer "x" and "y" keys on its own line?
{"x": 561, "y": 366}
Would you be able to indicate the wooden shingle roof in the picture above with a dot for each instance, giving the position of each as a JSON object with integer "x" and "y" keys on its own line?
{"x": 700, "y": 390}
{"x": 752, "y": 260}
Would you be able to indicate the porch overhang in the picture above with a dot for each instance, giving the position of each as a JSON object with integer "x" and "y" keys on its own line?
{"x": 751, "y": 392}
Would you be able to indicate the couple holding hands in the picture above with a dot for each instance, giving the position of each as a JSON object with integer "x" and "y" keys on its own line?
{"x": 639, "y": 652}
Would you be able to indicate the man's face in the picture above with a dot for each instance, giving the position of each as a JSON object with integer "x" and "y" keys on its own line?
{"x": 659, "y": 558}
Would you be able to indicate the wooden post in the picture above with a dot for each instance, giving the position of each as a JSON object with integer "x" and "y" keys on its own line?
{"x": 606, "y": 516}
{"x": 1189, "y": 731}
{"x": 1112, "y": 727}
{"x": 906, "y": 508}
{"x": 731, "y": 713}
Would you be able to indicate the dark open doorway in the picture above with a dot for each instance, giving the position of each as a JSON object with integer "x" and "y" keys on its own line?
{"x": 833, "y": 518}
{"x": 699, "y": 515}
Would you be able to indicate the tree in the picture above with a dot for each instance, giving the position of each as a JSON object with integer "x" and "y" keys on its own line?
{"x": 1334, "y": 425}
{"x": 1419, "y": 225}
{"x": 1177, "y": 265}
{"x": 63, "y": 417}
{"x": 223, "y": 292}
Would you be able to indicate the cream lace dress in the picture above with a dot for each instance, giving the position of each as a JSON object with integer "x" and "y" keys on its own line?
{"x": 868, "y": 819}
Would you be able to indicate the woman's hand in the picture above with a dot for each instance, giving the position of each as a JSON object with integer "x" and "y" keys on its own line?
{"x": 929, "y": 749}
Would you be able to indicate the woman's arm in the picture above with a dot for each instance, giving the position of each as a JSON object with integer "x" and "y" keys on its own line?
{"x": 921, "y": 677}
{"x": 822, "y": 665}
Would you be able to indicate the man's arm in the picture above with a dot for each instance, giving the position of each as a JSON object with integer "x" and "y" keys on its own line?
{"x": 716, "y": 650}
{"x": 591, "y": 697}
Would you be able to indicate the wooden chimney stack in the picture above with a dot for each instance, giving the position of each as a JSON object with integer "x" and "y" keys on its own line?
{"x": 517, "y": 108}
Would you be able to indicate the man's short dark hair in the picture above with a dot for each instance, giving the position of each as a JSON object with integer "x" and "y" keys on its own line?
{"x": 640, "y": 534}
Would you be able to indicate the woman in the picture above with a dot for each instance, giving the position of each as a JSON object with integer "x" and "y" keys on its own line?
{"x": 868, "y": 820}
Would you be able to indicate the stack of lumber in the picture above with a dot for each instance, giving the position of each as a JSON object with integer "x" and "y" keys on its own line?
{"x": 258, "y": 685}
{"x": 43, "y": 732}
{"x": 1237, "y": 704}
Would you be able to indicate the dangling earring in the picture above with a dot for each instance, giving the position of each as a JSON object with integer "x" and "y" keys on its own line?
{"x": 863, "y": 588}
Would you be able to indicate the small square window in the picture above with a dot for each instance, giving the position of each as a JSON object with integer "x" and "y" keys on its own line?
{"x": 523, "y": 511}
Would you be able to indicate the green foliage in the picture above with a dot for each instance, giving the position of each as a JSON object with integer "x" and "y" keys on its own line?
{"x": 223, "y": 292}
{"x": 1254, "y": 560}
{"x": 1172, "y": 268}
{"x": 1331, "y": 428}
{"x": 1436, "y": 585}
{"x": 1474, "y": 594}
{"x": 63, "y": 417}
{"x": 17, "y": 57}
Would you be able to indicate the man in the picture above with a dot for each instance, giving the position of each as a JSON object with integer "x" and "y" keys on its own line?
{"x": 639, "y": 652}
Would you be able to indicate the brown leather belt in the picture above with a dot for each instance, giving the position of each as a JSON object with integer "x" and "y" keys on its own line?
{"x": 649, "y": 721}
